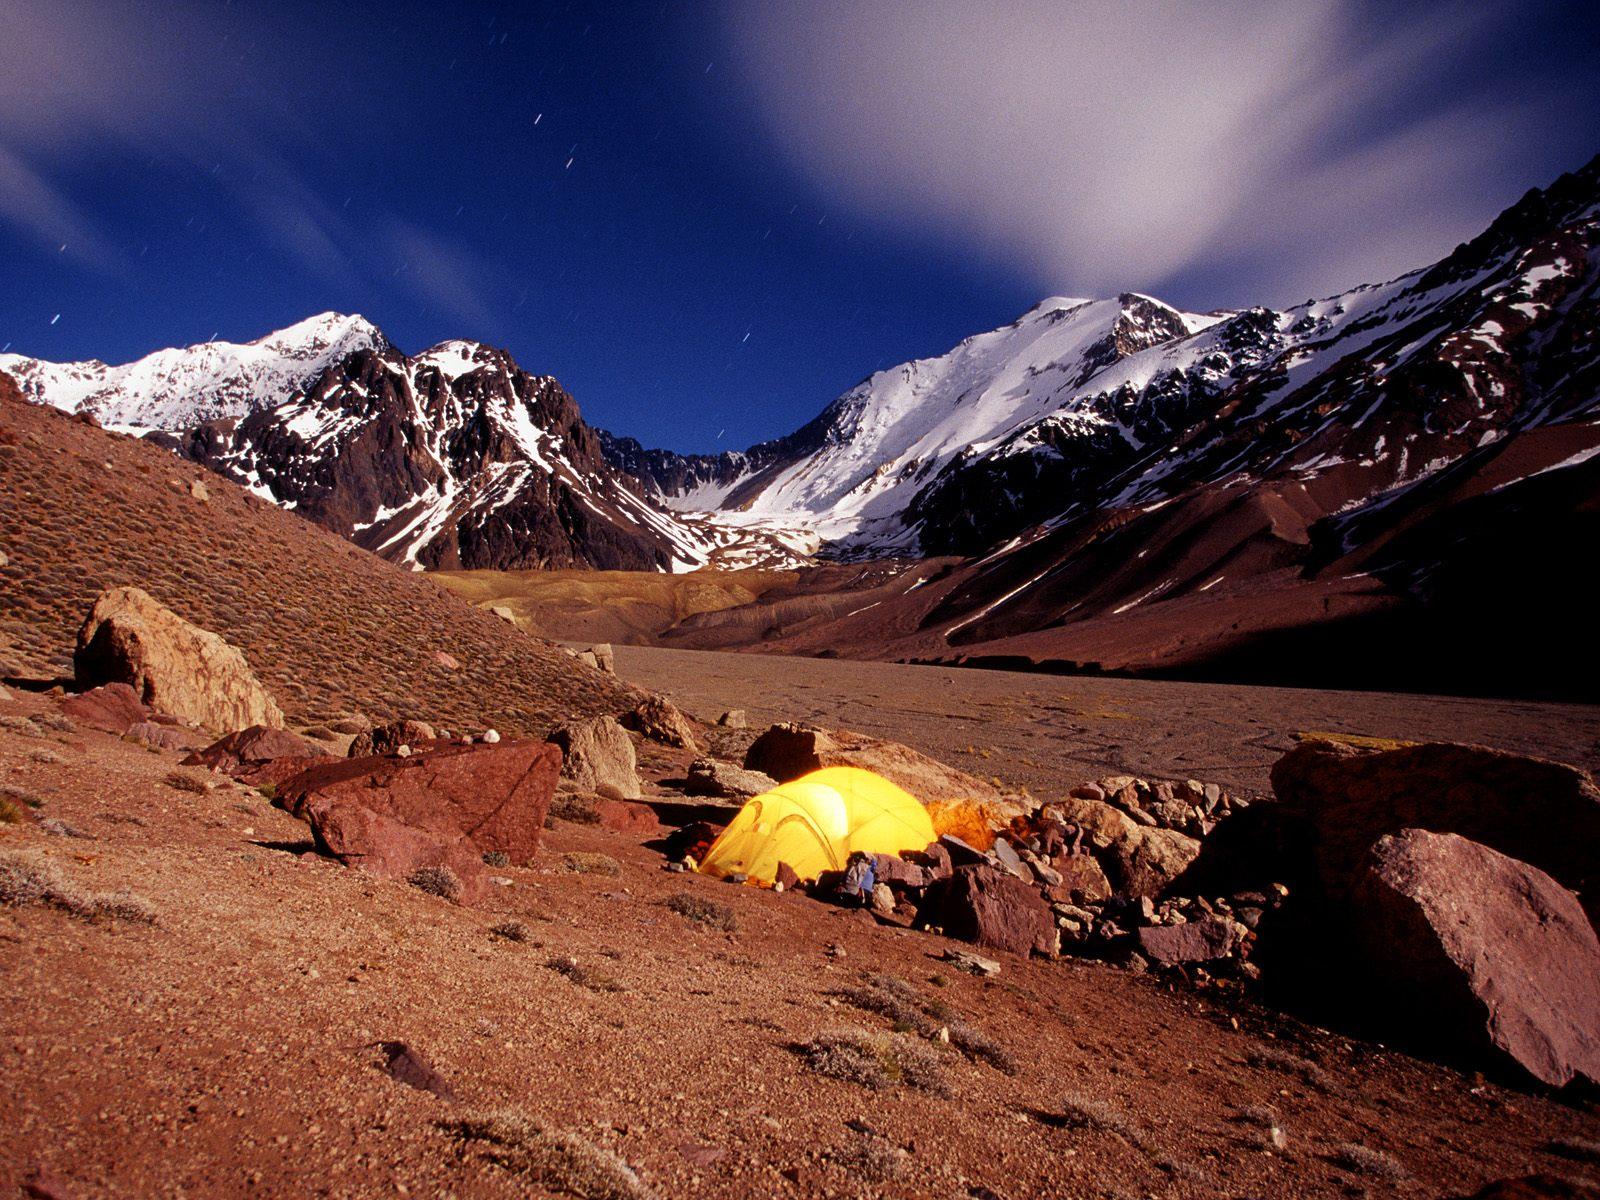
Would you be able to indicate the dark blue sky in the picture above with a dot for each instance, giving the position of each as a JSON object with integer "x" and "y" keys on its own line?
{"x": 711, "y": 219}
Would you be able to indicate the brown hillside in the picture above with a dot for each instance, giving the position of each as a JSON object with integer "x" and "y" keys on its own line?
{"x": 329, "y": 628}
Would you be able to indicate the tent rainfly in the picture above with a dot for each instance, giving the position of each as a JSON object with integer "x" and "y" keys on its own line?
{"x": 816, "y": 822}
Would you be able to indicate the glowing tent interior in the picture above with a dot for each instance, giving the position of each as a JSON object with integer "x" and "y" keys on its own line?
{"x": 816, "y": 822}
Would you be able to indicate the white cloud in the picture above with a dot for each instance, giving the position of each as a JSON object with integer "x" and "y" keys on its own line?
{"x": 1096, "y": 147}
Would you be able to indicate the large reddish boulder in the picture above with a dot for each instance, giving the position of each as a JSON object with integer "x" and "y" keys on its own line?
{"x": 992, "y": 908}
{"x": 446, "y": 806}
{"x": 1538, "y": 812}
{"x": 111, "y": 707}
{"x": 259, "y": 755}
{"x": 1481, "y": 955}
{"x": 627, "y": 816}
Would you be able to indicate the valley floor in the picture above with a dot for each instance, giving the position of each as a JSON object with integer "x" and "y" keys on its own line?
{"x": 1049, "y": 733}
{"x": 232, "y": 1047}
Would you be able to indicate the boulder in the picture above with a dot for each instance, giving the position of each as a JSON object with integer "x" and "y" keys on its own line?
{"x": 658, "y": 719}
{"x": 259, "y": 755}
{"x": 1481, "y": 955}
{"x": 444, "y": 806}
{"x": 605, "y": 657}
{"x": 734, "y": 718}
{"x": 711, "y": 777}
{"x": 1138, "y": 860}
{"x": 165, "y": 737}
{"x": 984, "y": 905}
{"x": 112, "y": 708}
{"x": 895, "y": 871}
{"x": 174, "y": 666}
{"x": 1211, "y": 937}
{"x": 504, "y": 613}
{"x": 1542, "y": 813}
{"x": 627, "y": 816}
{"x": 1083, "y": 880}
{"x": 597, "y": 756}
{"x": 386, "y": 739}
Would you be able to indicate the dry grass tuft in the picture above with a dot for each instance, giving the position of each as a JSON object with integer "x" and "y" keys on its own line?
{"x": 593, "y": 978}
{"x": 496, "y": 858}
{"x": 1363, "y": 1160}
{"x": 554, "y": 1160}
{"x": 872, "y": 1158}
{"x": 874, "y": 1060}
{"x": 436, "y": 881}
{"x": 183, "y": 782}
{"x": 911, "y": 1012}
{"x": 1079, "y": 1111}
{"x": 56, "y": 827}
{"x": 512, "y": 931}
{"x": 1578, "y": 1149}
{"x": 579, "y": 810}
{"x": 25, "y": 880}
{"x": 713, "y": 914}
{"x": 582, "y": 862}
{"x": 1272, "y": 1059}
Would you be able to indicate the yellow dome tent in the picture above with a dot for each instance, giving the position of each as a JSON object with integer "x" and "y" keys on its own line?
{"x": 816, "y": 822}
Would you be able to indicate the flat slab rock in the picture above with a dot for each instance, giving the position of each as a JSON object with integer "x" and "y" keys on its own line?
{"x": 1484, "y": 955}
{"x": 444, "y": 807}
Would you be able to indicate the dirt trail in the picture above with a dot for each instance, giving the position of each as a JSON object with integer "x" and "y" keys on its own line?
{"x": 1051, "y": 732}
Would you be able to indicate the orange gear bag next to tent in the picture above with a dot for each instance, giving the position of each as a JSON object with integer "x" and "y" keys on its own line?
{"x": 816, "y": 822}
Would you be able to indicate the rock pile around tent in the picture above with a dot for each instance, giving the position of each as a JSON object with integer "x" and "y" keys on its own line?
{"x": 815, "y": 823}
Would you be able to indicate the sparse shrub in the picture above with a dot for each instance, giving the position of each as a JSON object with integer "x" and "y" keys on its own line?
{"x": 1079, "y": 1111}
{"x": 436, "y": 881}
{"x": 25, "y": 880}
{"x": 496, "y": 858}
{"x": 581, "y": 862}
{"x": 59, "y": 828}
{"x": 184, "y": 782}
{"x": 512, "y": 931}
{"x": 555, "y": 1160}
{"x": 713, "y": 914}
{"x": 592, "y": 978}
{"x": 874, "y": 1060}
{"x": 1273, "y": 1059}
{"x": 896, "y": 999}
{"x": 1363, "y": 1160}
{"x": 874, "y": 1159}
{"x": 579, "y": 810}
{"x": 10, "y": 814}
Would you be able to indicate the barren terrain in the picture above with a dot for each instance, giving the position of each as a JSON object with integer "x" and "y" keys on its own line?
{"x": 230, "y": 1047}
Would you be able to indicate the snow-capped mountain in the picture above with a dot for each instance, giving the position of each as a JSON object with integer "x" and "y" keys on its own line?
{"x": 176, "y": 389}
{"x": 1087, "y": 405}
{"x": 456, "y": 458}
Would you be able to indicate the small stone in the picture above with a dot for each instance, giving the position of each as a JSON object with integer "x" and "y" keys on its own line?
{"x": 882, "y": 899}
{"x": 403, "y": 751}
{"x": 197, "y": 489}
{"x": 491, "y": 736}
{"x": 975, "y": 964}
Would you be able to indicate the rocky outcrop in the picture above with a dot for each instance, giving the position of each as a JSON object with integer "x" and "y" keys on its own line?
{"x": 388, "y": 738}
{"x": 788, "y": 751}
{"x": 658, "y": 719}
{"x": 1542, "y": 813}
{"x": 259, "y": 755}
{"x": 173, "y": 666}
{"x": 1139, "y": 860}
{"x": 712, "y": 777}
{"x": 445, "y": 807}
{"x": 597, "y": 756}
{"x": 1482, "y": 955}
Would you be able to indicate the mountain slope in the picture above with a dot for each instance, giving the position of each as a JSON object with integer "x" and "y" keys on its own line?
{"x": 329, "y": 628}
